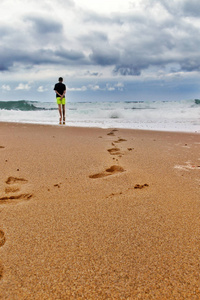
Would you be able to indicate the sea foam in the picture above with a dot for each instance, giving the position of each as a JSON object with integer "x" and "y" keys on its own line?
{"x": 158, "y": 115}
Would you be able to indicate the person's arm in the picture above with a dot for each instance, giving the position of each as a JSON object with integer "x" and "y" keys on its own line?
{"x": 64, "y": 93}
{"x": 61, "y": 96}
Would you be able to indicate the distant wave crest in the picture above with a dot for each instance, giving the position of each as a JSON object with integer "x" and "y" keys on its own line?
{"x": 22, "y": 105}
{"x": 18, "y": 105}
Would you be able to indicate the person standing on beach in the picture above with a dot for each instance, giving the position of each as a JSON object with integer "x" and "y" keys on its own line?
{"x": 60, "y": 90}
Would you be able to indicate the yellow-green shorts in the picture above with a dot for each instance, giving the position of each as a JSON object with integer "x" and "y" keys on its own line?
{"x": 60, "y": 101}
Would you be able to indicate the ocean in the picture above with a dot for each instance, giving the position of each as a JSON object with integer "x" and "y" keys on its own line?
{"x": 181, "y": 116}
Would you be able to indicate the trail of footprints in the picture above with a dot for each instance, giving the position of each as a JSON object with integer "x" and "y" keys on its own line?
{"x": 116, "y": 168}
{"x": 15, "y": 186}
{"x": 113, "y": 151}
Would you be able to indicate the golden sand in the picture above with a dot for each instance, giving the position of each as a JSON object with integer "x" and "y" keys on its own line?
{"x": 98, "y": 213}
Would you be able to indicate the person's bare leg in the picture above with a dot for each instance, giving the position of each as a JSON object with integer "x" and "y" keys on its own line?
{"x": 63, "y": 111}
{"x": 60, "y": 112}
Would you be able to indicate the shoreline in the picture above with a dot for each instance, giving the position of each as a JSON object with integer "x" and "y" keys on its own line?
{"x": 106, "y": 128}
{"x": 98, "y": 213}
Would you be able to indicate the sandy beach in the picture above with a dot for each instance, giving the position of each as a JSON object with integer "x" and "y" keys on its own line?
{"x": 98, "y": 213}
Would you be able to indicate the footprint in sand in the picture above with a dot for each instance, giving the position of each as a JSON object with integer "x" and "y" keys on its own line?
{"x": 12, "y": 180}
{"x": 120, "y": 140}
{"x": 114, "y": 151}
{"x": 110, "y": 171}
{"x": 112, "y": 132}
{"x": 14, "y": 190}
{"x": 2, "y": 242}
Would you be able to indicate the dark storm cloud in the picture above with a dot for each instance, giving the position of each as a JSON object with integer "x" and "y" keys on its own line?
{"x": 129, "y": 43}
{"x": 37, "y": 35}
{"x": 4, "y": 67}
{"x": 28, "y": 58}
{"x": 149, "y": 40}
{"x": 102, "y": 52}
{"x": 11, "y": 57}
{"x": 190, "y": 65}
{"x": 104, "y": 57}
{"x": 6, "y": 58}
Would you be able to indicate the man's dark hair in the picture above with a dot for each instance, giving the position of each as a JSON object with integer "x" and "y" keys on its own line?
{"x": 60, "y": 79}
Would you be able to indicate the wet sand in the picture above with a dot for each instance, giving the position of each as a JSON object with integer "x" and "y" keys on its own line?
{"x": 98, "y": 213}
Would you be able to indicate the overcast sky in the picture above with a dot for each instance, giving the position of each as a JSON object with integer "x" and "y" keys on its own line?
{"x": 104, "y": 49}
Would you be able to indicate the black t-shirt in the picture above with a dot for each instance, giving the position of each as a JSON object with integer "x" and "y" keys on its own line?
{"x": 60, "y": 88}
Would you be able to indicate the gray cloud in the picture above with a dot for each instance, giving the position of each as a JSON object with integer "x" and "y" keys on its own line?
{"x": 190, "y": 65}
{"x": 4, "y": 67}
{"x": 88, "y": 73}
{"x": 92, "y": 17}
{"x": 93, "y": 39}
{"x": 71, "y": 55}
{"x": 44, "y": 25}
{"x": 5, "y": 31}
{"x": 101, "y": 50}
{"x": 191, "y": 8}
{"x": 129, "y": 70}
{"x": 69, "y": 3}
{"x": 28, "y": 58}
{"x": 146, "y": 42}
{"x": 182, "y": 8}
{"x": 128, "y": 43}
{"x": 104, "y": 57}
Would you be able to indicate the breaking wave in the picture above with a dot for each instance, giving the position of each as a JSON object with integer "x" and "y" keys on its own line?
{"x": 23, "y": 105}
